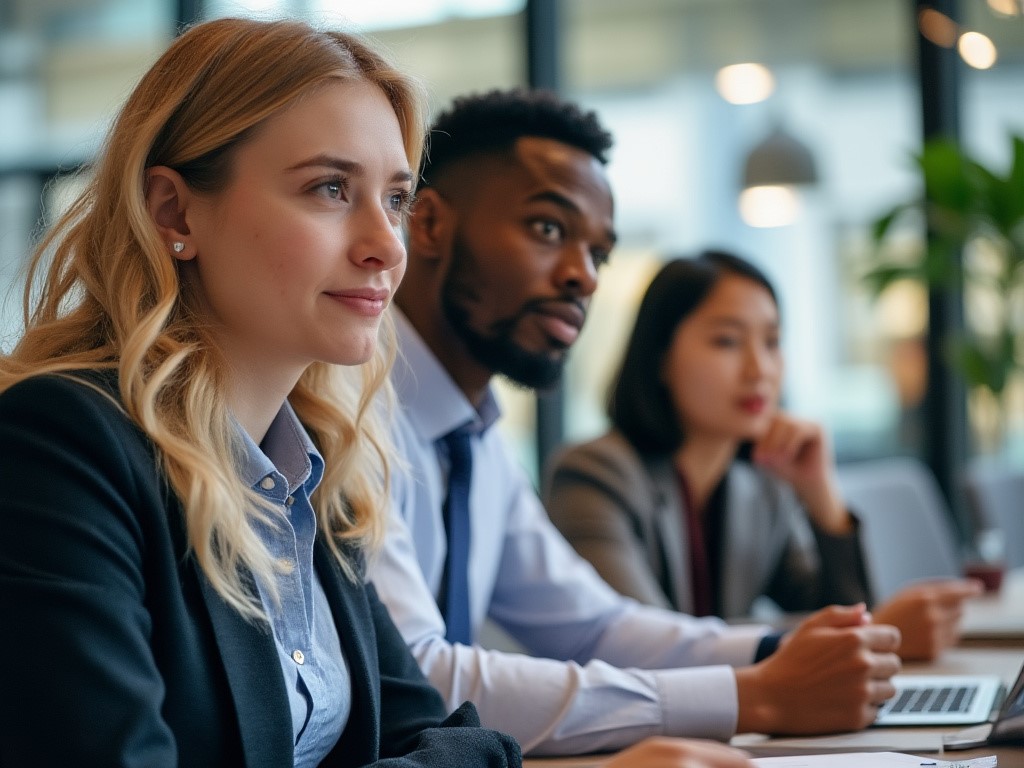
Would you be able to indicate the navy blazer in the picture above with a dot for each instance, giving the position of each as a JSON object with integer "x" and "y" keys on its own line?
{"x": 115, "y": 649}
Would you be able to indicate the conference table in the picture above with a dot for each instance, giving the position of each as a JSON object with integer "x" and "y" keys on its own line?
{"x": 1004, "y": 662}
{"x": 926, "y": 742}
{"x": 993, "y": 643}
{"x": 996, "y": 619}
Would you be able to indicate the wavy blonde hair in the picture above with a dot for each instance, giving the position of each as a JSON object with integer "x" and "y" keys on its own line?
{"x": 103, "y": 292}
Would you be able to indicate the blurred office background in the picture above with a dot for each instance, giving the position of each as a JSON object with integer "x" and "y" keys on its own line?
{"x": 838, "y": 79}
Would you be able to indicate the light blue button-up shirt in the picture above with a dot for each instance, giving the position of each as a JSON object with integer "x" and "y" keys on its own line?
{"x": 606, "y": 671}
{"x": 285, "y": 469}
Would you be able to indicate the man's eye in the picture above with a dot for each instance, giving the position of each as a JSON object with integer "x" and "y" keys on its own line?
{"x": 547, "y": 229}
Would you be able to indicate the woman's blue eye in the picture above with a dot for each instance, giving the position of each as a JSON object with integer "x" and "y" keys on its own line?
{"x": 335, "y": 189}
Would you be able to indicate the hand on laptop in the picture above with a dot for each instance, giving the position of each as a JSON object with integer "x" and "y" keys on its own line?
{"x": 928, "y": 615}
{"x": 665, "y": 752}
{"x": 830, "y": 674}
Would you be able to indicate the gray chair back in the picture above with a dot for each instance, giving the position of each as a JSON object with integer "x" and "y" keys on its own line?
{"x": 906, "y": 528}
{"x": 995, "y": 492}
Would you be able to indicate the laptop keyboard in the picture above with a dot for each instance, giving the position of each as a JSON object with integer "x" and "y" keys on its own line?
{"x": 946, "y": 699}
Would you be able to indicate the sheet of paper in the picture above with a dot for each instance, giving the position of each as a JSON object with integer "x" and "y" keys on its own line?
{"x": 874, "y": 759}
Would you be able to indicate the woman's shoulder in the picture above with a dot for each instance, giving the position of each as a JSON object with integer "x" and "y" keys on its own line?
{"x": 609, "y": 458}
{"x": 70, "y": 432}
{"x": 80, "y": 401}
{"x": 75, "y": 388}
{"x": 610, "y": 448}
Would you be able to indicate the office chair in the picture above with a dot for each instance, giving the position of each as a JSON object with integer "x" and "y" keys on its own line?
{"x": 906, "y": 525}
{"x": 995, "y": 492}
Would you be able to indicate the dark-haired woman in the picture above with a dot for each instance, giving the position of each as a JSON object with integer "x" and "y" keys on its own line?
{"x": 668, "y": 512}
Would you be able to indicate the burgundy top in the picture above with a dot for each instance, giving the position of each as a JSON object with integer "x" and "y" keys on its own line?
{"x": 701, "y": 575}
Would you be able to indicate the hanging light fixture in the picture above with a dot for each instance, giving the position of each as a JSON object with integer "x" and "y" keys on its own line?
{"x": 773, "y": 171}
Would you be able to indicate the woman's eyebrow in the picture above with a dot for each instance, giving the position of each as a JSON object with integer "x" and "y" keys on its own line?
{"x": 347, "y": 166}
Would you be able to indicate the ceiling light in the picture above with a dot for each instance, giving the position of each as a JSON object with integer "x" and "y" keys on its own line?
{"x": 977, "y": 50}
{"x": 772, "y": 206}
{"x": 746, "y": 83}
{"x": 772, "y": 172}
{"x": 1007, "y": 7}
{"x": 937, "y": 28}
{"x": 779, "y": 159}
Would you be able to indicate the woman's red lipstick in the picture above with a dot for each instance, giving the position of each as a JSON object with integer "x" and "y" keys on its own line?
{"x": 754, "y": 405}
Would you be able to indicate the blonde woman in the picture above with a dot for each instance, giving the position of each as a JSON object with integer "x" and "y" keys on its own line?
{"x": 191, "y": 471}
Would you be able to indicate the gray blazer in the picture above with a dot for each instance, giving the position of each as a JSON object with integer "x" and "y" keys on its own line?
{"x": 624, "y": 513}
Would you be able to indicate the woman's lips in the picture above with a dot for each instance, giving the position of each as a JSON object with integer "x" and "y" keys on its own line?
{"x": 753, "y": 405}
{"x": 369, "y": 302}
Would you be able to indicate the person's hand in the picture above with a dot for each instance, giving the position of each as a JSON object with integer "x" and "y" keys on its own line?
{"x": 798, "y": 452}
{"x": 830, "y": 674}
{"x": 928, "y": 615}
{"x": 665, "y": 752}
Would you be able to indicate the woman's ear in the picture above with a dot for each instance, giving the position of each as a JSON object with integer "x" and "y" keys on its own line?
{"x": 167, "y": 196}
{"x": 429, "y": 224}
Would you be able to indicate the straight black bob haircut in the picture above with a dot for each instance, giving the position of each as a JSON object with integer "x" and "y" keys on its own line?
{"x": 491, "y": 122}
{"x": 639, "y": 404}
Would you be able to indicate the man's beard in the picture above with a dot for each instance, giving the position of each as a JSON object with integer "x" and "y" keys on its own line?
{"x": 497, "y": 351}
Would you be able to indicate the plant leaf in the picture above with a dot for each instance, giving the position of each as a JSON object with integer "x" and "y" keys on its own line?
{"x": 877, "y": 279}
{"x": 947, "y": 182}
{"x": 881, "y": 226}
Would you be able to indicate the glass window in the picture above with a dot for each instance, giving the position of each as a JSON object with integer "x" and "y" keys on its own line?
{"x": 840, "y": 81}
{"x": 65, "y": 68}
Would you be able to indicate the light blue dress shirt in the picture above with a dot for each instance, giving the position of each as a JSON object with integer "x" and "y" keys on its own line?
{"x": 285, "y": 469}
{"x": 611, "y": 669}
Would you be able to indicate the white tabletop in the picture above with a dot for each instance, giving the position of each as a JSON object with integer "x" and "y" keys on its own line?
{"x": 997, "y": 619}
{"x": 926, "y": 742}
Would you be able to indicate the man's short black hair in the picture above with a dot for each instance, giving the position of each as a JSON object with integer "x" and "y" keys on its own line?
{"x": 493, "y": 121}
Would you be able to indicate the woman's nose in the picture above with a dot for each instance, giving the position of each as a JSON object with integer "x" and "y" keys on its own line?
{"x": 377, "y": 241}
{"x": 759, "y": 361}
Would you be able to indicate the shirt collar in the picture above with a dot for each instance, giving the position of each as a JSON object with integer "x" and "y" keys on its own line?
{"x": 433, "y": 402}
{"x": 286, "y": 449}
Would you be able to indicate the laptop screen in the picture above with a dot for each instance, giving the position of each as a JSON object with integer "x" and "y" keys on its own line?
{"x": 1009, "y": 726}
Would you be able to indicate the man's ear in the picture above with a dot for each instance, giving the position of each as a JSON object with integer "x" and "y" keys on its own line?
{"x": 430, "y": 224}
{"x": 167, "y": 196}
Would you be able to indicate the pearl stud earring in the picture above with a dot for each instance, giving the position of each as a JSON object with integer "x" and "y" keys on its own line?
{"x": 178, "y": 246}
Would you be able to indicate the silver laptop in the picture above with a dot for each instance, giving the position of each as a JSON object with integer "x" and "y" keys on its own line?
{"x": 1006, "y": 728}
{"x": 923, "y": 700}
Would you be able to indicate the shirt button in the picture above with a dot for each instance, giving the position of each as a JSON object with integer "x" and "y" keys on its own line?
{"x": 290, "y": 500}
{"x": 285, "y": 565}
{"x": 267, "y": 483}
{"x": 298, "y": 657}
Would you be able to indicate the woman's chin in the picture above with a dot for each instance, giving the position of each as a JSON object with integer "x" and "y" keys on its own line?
{"x": 352, "y": 356}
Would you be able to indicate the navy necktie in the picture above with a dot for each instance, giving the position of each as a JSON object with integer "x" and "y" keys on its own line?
{"x": 454, "y": 598}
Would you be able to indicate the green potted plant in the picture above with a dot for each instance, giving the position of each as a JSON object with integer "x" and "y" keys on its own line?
{"x": 974, "y": 215}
